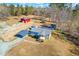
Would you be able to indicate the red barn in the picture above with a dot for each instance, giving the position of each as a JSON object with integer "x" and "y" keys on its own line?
{"x": 25, "y": 20}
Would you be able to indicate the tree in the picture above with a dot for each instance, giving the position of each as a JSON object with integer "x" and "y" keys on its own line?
{"x": 77, "y": 6}
{"x": 18, "y": 10}
{"x": 26, "y": 10}
{"x": 30, "y": 10}
{"x": 4, "y": 11}
{"x": 22, "y": 9}
{"x": 12, "y": 9}
{"x": 61, "y": 9}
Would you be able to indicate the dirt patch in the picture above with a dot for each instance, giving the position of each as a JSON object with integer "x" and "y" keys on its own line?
{"x": 56, "y": 46}
{"x": 52, "y": 47}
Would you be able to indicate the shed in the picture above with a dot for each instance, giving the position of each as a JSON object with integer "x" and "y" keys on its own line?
{"x": 25, "y": 20}
{"x": 22, "y": 33}
{"x": 41, "y": 31}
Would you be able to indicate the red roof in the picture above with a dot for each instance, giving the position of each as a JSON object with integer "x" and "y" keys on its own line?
{"x": 25, "y": 20}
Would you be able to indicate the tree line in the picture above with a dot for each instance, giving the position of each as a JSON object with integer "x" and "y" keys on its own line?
{"x": 17, "y": 9}
{"x": 65, "y": 15}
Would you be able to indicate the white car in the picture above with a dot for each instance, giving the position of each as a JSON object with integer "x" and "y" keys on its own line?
{"x": 41, "y": 38}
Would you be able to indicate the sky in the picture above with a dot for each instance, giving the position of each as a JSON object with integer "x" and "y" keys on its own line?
{"x": 37, "y": 4}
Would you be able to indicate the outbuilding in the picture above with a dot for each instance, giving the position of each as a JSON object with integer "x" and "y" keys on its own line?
{"x": 25, "y": 20}
{"x": 22, "y": 33}
{"x": 41, "y": 31}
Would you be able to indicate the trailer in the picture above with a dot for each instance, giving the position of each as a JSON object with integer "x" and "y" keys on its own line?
{"x": 22, "y": 33}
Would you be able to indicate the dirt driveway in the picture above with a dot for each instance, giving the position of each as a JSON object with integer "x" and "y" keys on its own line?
{"x": 52, "y": 47}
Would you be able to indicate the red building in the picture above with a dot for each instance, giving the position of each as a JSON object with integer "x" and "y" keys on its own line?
{"x": 25, "y": 20}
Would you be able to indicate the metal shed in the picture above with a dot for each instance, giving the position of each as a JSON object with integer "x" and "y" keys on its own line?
{"x": 22, "y": 33}
{"x": 41, "y": 31}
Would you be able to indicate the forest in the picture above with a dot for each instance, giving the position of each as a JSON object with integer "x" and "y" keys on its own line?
{"x": 65, "y": 15}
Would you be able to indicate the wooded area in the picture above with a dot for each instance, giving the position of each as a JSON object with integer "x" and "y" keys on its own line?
{"x": 65, "y": 15}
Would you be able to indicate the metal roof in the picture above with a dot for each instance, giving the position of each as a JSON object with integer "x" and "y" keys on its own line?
{"x": 22, "y": 33}
{"x": 42, "y": 31}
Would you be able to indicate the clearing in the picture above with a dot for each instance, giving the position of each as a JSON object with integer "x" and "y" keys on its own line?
{"x": 56, "y": 46}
